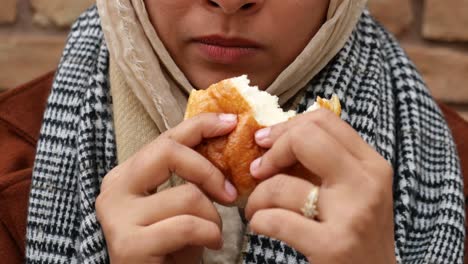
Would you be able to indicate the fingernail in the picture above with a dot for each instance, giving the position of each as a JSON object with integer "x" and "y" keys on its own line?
{"x": 230, "y": 189}
{"x": 228, "y": 118}
{"x": 262, "y": 133}
{"x": 254, "y": 166}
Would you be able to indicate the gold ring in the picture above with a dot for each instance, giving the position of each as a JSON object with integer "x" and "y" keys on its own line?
{"x": 309, "y": 209}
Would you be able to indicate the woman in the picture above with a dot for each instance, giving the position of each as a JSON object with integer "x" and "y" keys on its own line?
{"x": 113, "y": 135}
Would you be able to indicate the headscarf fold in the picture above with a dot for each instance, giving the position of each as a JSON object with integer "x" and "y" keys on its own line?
{"x": 383, "y": 97}
{"x": 150, "y": 91}
{"x": 162, "y": 88}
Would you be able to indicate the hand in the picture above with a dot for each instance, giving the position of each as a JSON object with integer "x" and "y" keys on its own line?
{"x": 355, "y": 221}
{"x": 172, "y": 226}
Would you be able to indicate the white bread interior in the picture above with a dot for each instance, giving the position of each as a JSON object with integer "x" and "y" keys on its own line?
{"x": 266, "y": 110}
{"x": 265, "y": 106}
{"x": 256, "y": 109}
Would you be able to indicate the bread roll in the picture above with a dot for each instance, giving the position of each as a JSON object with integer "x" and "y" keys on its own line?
{"x": 255, "y": 109}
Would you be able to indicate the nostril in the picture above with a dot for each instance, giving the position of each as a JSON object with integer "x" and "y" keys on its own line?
{"x": 247, "y": 6}
{"x": 213, "y": 3}
{"x": 231, "y": 7}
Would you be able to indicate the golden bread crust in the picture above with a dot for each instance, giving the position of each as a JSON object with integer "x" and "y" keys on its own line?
{"x": 232, "y": 154}
{"x": 333, "y": 104}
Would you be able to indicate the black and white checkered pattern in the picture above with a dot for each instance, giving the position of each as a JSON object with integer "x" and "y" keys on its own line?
{"x": 383, "y": 98}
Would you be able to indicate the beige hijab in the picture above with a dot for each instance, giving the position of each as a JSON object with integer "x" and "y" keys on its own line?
{"x": 161, "y": 87}
{"x": 150, "y": 92}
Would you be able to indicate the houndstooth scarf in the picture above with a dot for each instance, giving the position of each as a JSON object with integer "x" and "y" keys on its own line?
{"x": 383, "y": 97}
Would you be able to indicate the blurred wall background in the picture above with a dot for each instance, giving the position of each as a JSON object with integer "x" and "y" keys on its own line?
{"x": 433, "y": 32}
{"x": 32, "y": 36}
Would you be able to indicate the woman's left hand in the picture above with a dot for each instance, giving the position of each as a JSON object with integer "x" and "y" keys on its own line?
{"x": 355, "y": 205}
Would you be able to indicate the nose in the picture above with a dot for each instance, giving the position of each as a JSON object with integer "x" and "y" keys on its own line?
{"x": 231, "y": 7}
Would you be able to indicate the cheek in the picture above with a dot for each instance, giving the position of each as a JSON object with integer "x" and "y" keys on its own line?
{"x": 295, "y": 23}
{"x": 298, "y": 21}
{"x": 283, "y": 26}
{"x": 166, "y": 14}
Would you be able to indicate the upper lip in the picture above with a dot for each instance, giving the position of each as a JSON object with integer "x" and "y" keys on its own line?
{"x": 229, "y": 42}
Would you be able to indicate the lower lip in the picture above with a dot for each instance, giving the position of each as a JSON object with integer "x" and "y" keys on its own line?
{"x": 225, "y": 55}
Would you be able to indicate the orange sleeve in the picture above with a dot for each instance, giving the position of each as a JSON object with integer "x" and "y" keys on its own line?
{"x": 16, "y": 164}
{"x": 8, "y": 250}
{"x": 21, "y": 112}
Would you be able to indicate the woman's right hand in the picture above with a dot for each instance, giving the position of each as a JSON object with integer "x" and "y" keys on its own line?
{"x": 175, "y": 225}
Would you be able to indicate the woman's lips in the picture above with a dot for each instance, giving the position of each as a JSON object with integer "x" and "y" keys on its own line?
{"x": 226, "y": 50}
{"x": 225, "y": 55}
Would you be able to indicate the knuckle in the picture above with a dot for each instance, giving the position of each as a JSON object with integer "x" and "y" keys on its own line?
{"x": 380, "y": 166}
{"x": 101, "y": 205}
{"x": 294, "y": 134}
{"x": 374, "y": 204}
{"x": 201, "y": 119}
{"x": 275, "y": 187}
{"x": 165, "y": 135}
{"x": 274, "y": 228}
{"x": 166, "y": 145}
{"x": 359, "y": 224}
{"x": 192, "y": 195}
{"x": 342, "y": 250}
{"x": 387, "y": 169}
{"x": 160, "y": 148}
{"x": 104, "y": 203}
{"x": 105, "y": 181}
{"x": 379, "y": 189}
{"x": 211, "y": 175}
{"x": 342, "y": 245}
{"x": 110, "y": 228}
{"x": 379, "y": 200}
{"x": 166, "y": 150}
{"x": 324, "y": 115}
{"x": 119, "y": 247}
{"x": 188, "y": 226}
{"x": 279, "y": 129}
{"x": 109, "y": 177}
{"x": 113, "y": 230}
{"x": 297, "y": 133}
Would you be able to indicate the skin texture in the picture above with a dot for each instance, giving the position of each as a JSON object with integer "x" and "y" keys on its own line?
{"x": 355, "y": 201}
{"x": 282, "y": 28}
{"x": 174, "y": 226}
{"x": 137, "y": 226}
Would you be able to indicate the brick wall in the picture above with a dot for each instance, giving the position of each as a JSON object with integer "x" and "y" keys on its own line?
{"x": 32, "y": 36}
{"x": 433, "y": 32}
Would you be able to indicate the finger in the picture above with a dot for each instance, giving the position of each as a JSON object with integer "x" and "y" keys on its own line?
{"x": 280, "y": 191}
{"x": 191, "y": 132}
{"x": 303, "y": 234}
{"x": 341, "y": 131}
{"x": 185, "y": 199}
{"x": 152, "y": 167}
{"x": 320, "y": 154}
{"x": 175, "y": 233}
